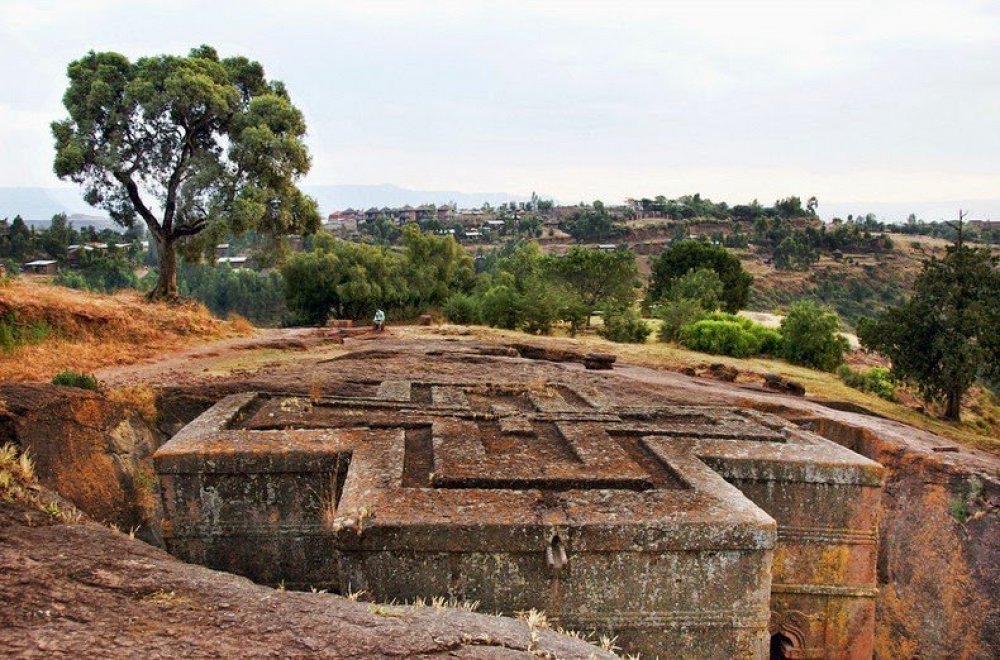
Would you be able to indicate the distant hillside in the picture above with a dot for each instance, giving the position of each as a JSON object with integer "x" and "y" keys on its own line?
{"x": 334, "y": 198}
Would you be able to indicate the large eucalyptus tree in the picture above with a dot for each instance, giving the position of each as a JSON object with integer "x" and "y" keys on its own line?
{"x": 196, "y": 147}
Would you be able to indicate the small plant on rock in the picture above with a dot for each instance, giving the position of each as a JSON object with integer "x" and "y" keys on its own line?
{"x": 71, "y": 378}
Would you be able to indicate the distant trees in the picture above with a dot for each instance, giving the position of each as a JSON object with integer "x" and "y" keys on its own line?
{"x": 352, "y": 280}
{"x": 101, "y": 273}
{"x": 257, "y": 296}
{"x": 519, "y": 287}
{"x": 591, "y": 223}
{"x": 945, "y": 336}
{"x": 210, "y": 141}
{"x": 599, "y": 278}
{"x": 683, "y": 256}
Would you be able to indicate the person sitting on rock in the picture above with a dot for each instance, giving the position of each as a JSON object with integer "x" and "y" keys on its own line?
{"x": 379, "y": 320}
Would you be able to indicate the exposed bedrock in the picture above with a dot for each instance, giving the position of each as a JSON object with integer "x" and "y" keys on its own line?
{"x": 92, "y": 451}
{"x": 939, "y": 553}
{"x": 86, "y": 591}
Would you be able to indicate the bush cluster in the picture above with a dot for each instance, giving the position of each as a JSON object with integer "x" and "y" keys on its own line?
{"x": 876, "y": 380}
{"x": 728, "y": 334}
{"x": 625, "y": 326}
{"x": 811, "y": 338}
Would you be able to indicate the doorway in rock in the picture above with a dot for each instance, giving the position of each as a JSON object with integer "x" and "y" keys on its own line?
{"x": 780, "y": 647}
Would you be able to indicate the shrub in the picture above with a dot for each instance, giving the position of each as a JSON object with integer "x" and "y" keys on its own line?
{"x": 75, "y": 379}
{"x": 14, "y": 334}
{"x": 875, "y": 380}
{"x": 500, "y": 307}
{"x": 811, "y": 337}
{"x": 624, "y": 326}
{"x": 727, "y": 334}
{"x": 461, "y": 308}
{"x": 677, "y": 314}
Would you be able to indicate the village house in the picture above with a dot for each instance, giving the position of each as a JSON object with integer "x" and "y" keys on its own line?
{"x": 236, "y": 263}
{"x": 41, "y": 267}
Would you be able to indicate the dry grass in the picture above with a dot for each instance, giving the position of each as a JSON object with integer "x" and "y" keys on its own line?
{"x": 818, "y": 384}
{"x": 18, "y": 483}
{"x": 90, "y": 331}
{"x": 140, "y": 398}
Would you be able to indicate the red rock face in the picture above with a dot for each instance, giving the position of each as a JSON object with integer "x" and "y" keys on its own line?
{"x": 654, "y": 523}
{"x": 87, "y": 448}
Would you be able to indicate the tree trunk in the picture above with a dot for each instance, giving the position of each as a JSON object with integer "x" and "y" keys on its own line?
{"x": 166, "y": 284}
{"x": 953, "y": 410}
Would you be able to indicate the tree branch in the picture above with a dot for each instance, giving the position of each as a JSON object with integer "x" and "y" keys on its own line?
{"x": 133, "y": 194}
{"x": 170, "y": 205}
{"x": 188, "y": 230}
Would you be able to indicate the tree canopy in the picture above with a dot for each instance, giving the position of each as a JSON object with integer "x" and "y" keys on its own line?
{"x": 599, "y": 277}
{"x": 195, "y": 147}
{"x": 687, "y": 255}
{"x": 945, "y": 336}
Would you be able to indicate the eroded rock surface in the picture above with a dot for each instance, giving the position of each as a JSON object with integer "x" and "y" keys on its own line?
{"x": 86, "y": 591}
{"x": 90, "y": 450}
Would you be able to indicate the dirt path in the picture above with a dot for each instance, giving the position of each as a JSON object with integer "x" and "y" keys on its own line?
{"x": 226, "y": 358}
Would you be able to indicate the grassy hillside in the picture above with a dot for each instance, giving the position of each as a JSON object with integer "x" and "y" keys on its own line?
{"x": 854, "y": 286}
{"x": 46, "y": 329}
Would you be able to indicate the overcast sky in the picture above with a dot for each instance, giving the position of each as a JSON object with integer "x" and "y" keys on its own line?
{"x": 848, "y": 101}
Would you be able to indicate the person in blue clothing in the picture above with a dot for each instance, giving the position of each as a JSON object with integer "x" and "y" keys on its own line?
{"x": 379, "y": 320}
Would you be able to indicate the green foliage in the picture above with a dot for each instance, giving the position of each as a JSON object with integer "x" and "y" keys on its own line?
{"x": 794, "y": 254}
{"x": 349, "y": 280}
{"x": 727, "y": 334}
{"x": 597, "y": 277}
{"x": 945, "y": 336}
{"x": 14, "y": 334}
{"x": 259, "y": 297}
{"x": 591, "y": 223}
{"x": 352, "y": 280}
{"x": 461, "y": 308}
{"x": 435, "y": 266}
{"x": 210, "y": 141}
{"x": 500, "y": 307}
{"x": 103, "y": 274}
{"x": 687, "y": 255}
{"x": 876, "y": 380}
{"x": 75, "y": 379}
{"x": 811, "y": 338}
{"x": 702, "y": 286}
{"x": 676, "y": 314}
{"x": 625, "y": 325}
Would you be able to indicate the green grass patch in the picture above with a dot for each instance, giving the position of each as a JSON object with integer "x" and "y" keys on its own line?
{"x": 75, "y": 379}
{"x": 14, "y": 334}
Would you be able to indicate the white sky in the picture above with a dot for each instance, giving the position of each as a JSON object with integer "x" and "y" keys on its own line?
{"x": 848, "y": 101}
